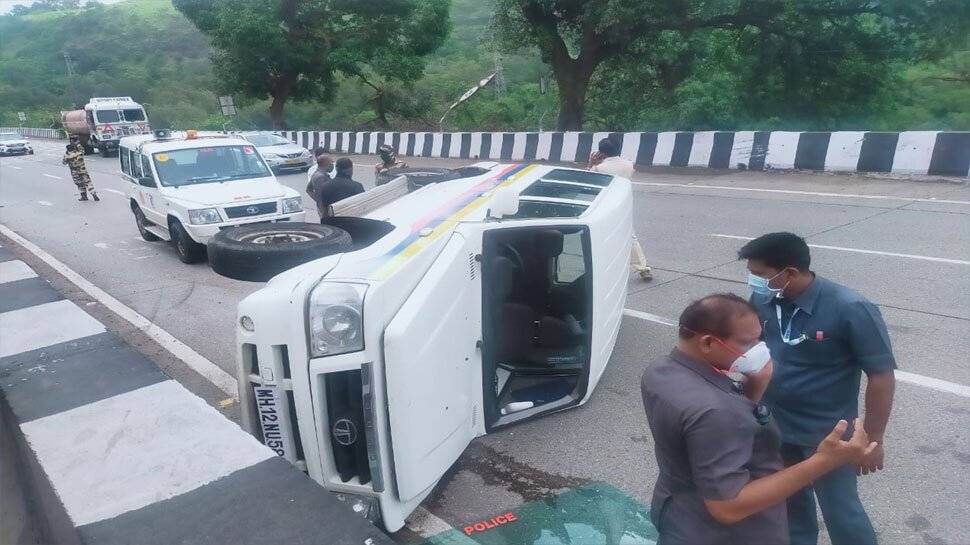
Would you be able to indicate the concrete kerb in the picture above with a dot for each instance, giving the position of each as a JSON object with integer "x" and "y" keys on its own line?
{"x": 100, "y": 446}
{"x": 920, "y": 153}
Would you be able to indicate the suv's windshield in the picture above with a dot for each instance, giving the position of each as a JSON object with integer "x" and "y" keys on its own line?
{"x": 263, "y": 140}
{"x": 206, "y": 165}
{"x": 134, "y": 114}
{"x": 9, "y": 136}
{"x": 108, "y": 116}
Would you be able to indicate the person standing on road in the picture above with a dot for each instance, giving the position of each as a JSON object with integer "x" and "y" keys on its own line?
{"x": 74, "y": 159}
{"x": 822, "y": 337}
{"x": 318, "y": 179}
{"x": 607, "y": 160}
{"x": 722, "y": 481}
{"x": 339, "y": 188}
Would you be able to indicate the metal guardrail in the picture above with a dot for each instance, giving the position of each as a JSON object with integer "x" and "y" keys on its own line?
{"x": 56, "y": 134}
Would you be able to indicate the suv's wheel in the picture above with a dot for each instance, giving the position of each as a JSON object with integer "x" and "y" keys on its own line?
{"x": 260, "y": 252}
{"x": 142, "y": 222}
{"x": 189, "y": 251}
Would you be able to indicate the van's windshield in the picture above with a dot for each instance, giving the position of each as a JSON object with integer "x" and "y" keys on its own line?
{"x": 206, "y": 165}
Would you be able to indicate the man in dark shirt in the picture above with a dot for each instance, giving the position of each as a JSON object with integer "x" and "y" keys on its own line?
{"x": 822, "y": 337}
{"x": 319, "y": 179}
{"x": 338, "y": 189}
{"x": 721, "y": 479}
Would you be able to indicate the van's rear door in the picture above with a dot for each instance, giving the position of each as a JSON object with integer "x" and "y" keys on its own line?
{"x": 433, "y": 371}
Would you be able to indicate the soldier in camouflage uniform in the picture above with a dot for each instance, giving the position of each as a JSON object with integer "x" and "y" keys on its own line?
{"x": 74, "y": 159}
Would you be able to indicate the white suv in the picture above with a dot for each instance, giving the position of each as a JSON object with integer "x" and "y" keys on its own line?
{"x": 186, "y": 187}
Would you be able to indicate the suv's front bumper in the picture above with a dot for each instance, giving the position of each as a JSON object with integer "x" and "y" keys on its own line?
{"x": 202, "y": 233}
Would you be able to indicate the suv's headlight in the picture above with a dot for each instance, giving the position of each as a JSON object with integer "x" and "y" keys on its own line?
{"x": 204, "y": 215}
{"x": 336, "y": 318}
{"x": 292, "y": 204}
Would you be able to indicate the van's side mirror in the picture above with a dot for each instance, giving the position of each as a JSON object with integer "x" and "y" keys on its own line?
{"x": 504, "y": 203}
{"x": 147, "y": 181}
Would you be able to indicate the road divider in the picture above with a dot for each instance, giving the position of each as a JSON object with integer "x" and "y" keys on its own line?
{"x": 110, "y": 450}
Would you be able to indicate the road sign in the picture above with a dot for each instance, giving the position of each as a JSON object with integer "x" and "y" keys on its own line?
{"x": 228, "y": 106}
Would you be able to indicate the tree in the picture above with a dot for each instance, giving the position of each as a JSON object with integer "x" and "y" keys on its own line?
{"x": 292, "y": 49}
{"x": 576, "y": 37}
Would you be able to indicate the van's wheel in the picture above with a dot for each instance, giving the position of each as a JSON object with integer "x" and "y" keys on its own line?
{"x": 105, "y": 152}
{"x": 260, "y": 252}
{"x": 188, "y": 250}
{"x": 142, "y": 222}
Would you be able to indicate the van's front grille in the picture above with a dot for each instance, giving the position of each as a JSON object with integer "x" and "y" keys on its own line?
{"x": 251, "y": 210}
{"x": 348, "y": 440}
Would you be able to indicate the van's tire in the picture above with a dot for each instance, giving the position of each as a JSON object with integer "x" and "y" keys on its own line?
{"x": 188, "y": 250}
{"x": 142, "y": 222}
{"x": 260, "y": 252}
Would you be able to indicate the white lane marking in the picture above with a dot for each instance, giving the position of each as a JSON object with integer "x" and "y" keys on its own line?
{"x": 15, "y": 167}
{"x": 934, "y": 383}
{"x": 426, "y": 524}
{"x": 796, "y": 192}
{"x": 11, "y": 271}
{"x": 210, "y": 371}
{"x": 136, "y": 449}
{"x": 649, "y": 317}
{"x": 52, "y": 176}
{"x": 861, "y": 251}
{"x": 102, "y": 245}
{"x": 115, "y": 191}
{"x": 45, "y": 203}
{"x": 43, "y": 325}
{"x": 902, "y": 376}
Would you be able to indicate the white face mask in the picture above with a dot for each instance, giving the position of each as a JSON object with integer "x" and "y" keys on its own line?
{"x": 752, "y": 361}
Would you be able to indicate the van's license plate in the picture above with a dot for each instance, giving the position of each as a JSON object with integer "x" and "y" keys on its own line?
{"x": 274, "y": 420}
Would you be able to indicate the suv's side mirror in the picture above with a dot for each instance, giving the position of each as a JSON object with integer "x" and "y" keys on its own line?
{"x": 147, "y": 181}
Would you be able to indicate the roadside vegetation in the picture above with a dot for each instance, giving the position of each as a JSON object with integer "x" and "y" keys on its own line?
{"x": 789, "y": 65}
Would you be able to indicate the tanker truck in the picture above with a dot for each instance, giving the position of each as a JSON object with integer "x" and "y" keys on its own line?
{"x": 103, "y": 121}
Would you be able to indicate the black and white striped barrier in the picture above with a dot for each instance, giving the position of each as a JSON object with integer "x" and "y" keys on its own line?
{"x": 106, "y": 449}
{"x": 919, "y": 152}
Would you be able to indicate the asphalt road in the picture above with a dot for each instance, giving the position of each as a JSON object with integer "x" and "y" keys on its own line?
{"x": 914, "y": 238}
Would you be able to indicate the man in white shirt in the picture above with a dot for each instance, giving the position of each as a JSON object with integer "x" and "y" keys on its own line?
{"x": 608, "y": 161}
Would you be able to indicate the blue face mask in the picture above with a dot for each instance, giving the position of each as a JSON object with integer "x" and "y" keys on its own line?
{"x": 762, "y": 286}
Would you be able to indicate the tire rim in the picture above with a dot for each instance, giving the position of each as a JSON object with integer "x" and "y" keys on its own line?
{"x": 282, "y": 237}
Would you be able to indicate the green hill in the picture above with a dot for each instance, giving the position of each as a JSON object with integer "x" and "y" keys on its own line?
{"x": 146, "y": 49}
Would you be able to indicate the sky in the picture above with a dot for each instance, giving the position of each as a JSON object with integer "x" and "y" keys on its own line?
{"x": 7, "y": 5}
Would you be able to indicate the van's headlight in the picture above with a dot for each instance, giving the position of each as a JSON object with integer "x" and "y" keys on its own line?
{"x": 292, "y": 204}
{"x": 336, "y": 318}
{"x": 204, "y": 215}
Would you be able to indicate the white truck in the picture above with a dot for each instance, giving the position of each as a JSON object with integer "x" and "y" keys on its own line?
{"x": 464, "y": 306}
{"x": 104, "y": 121}
{"x": 187, "y": 187}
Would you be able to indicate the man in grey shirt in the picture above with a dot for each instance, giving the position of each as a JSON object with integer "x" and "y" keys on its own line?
{"x": 318, "y": 180}
{"x": 722, "y": 480}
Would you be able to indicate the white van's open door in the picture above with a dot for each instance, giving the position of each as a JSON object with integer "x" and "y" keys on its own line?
{"x": 433, "y": 371}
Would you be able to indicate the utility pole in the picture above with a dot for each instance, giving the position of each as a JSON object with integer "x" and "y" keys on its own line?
{"x": 501, "y": 87}
{"x": 71, "y": 78}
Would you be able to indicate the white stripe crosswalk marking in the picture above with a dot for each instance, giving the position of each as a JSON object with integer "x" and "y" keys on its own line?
{"x": 861, "y": 251}
{"x": 35, "y": 327}
{"x": 11, "y": 271}
{"x": 103, "y": 457}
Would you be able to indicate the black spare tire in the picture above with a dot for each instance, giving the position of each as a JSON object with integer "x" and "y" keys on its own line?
{"x": 260, "y": 252}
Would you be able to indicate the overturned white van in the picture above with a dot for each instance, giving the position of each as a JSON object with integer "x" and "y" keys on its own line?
{"x": 462, "y": 307}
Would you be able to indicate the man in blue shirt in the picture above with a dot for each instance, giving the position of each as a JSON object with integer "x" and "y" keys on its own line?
{"x": 822, "y": 337}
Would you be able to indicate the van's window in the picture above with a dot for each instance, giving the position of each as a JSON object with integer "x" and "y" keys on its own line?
{"x": 263, "y": 140}
{"x": 108, "y": 116}
{"x": 134, "y": 114}
{"x": 146, "y": 167}
{"x": 125, "y": 161}
{"x": 205, "y": 165}
{"x": 562, "y": 191}
{"x": 579, "y": 176}
{"x": 571, "y": 263}
{"x": 539, "y": 209}
{"x": 135, "y": 164}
